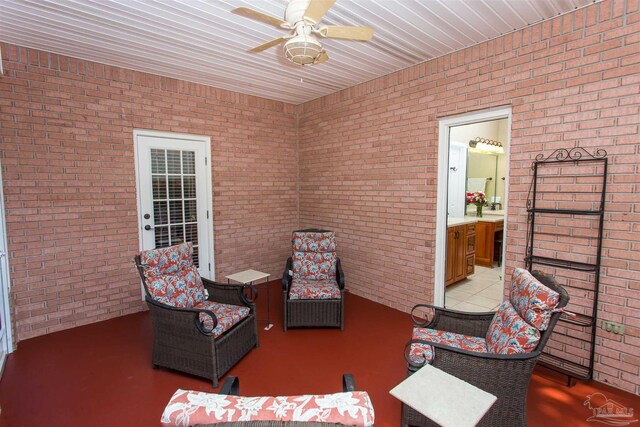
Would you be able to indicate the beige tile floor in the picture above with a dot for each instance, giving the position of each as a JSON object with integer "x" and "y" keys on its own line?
{"x": 482, "y": 291}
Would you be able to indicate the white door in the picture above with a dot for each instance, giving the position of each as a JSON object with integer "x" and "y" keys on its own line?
{"x": 456, "y": 197}
{"x": 6, "y": 344}
{"x": 174, "y": 193}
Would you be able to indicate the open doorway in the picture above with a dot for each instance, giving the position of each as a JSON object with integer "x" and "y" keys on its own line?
{"x": 473, "y": 166}
{"x": 479, "y": 288}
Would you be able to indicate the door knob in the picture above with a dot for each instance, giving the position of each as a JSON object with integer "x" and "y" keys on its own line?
{"x": 147, "y": 227}
{"x": 147, "y": 216}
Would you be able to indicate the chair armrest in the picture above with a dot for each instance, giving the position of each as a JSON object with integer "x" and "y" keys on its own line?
{"x": 188, "y": 317}
{"x": 348, "y": 383}
{"x": 339, "y": 274}
{"x": 231, "y": 386}
{"x": 459, "y": 322}
{"x": 243, "y": 295}
{"x": 462, "y": 354}
{"x": 286, "y": 277}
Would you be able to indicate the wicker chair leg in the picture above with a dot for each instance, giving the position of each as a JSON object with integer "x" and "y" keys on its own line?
{"x": 342, "y": 311}
{"x": 286, "y": 317}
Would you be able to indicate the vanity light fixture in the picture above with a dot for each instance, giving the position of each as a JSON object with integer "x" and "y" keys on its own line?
{"x": 487, "y": 145}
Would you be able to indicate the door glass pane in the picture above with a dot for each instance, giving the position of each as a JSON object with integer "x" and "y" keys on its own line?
{"x": 175, "y": 187}
{"x": 159, "y": 187}
{"x": 158, "y": 163}
{"x": 173, "y": 161}
{"x": 189, "y": 162}
{"x": 189, "y": 187}
{"x": 175, "y": 211}
{"x": 174, "y": 198}
{"x": 160, "y": 212}
{"x": 190, "y": 211}
{"x": 191, "y": 233}
{"x": 162, "y": 237}
{"x": 177, "y": 234}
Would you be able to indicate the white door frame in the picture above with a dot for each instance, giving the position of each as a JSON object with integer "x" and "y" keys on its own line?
{"x": 444, "y": 126}
{"x": 208, "y": 183}
{"x": 5, "y": 279}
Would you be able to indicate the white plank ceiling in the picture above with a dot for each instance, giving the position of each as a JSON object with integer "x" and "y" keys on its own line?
{"x": 202, "y": 41}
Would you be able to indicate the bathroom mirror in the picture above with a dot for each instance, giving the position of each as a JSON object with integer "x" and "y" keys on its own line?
{"x": 488, "y": 170}
{"x": 485, "y": 171}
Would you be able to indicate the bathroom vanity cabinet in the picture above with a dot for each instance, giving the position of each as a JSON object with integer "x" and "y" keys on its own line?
{"x": 461, "y": 249}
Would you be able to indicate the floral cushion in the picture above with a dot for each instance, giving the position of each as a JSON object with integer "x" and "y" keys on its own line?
{"x": 508, "y": 333}
{"x": 226, "y": 314}
{"x": 314, "y": 289}
{"x": 533, "y": 301}
{"x": 421, "y": 352}
{"x": 314, "y": 265}
{"x": 306, "y": 241}
{"x": 170, "y": 276}
{"x": 187, "y": 408}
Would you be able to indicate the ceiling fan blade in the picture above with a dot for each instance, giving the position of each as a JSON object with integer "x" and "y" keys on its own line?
{"x": 317, "y": 9}
{"x": 258, "y": 16}
{"x": 268, "y": 44}
{"x": 323, "y": 57}
{"x": 340, "y": 32}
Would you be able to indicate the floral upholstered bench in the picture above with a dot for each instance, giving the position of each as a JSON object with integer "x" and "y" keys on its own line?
{"x": 193, "y": 408}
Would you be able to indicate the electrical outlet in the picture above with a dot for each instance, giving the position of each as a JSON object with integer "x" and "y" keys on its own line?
{"x": 616, "y": 328}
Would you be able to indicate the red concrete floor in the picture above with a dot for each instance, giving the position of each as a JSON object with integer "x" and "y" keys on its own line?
{"x": 101, "y": 374}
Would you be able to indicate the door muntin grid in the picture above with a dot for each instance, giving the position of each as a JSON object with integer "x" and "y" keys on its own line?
{"x": 174, "y": 198}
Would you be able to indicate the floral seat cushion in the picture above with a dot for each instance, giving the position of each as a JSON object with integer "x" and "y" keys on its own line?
{"x": 171, "y": 277}
{"x": 188, "y": 408}
{"x": 314, "y": 289}
{"x": 533, "y": 301}
{"x": 226, "y": 314}
{"x": 424, "y": 353}
{"x": 508, "y": 333}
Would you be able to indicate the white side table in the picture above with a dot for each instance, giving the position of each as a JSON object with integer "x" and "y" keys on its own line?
{"x": 248, "y": 277}
{"x": 443, "y": 398}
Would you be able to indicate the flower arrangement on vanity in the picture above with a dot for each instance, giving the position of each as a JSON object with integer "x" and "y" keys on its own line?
{"x": 477, "y": 198}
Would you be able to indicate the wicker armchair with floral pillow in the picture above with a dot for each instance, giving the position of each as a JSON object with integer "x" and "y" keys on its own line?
{"x": 313, "y": 282}
{"x": 199, "y": 326}
{"x": 495, "y": 351}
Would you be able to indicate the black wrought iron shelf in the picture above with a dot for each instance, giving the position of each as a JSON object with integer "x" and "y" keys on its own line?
{"x": 566, "y": 367}
{"x": 555, "y": 262}
{"x": 566, "y": 163}
{"x": 566, "y": 211}
{"x": 579, "y": 319}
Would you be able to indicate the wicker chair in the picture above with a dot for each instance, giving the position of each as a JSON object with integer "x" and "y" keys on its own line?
{"x": 199, "y": 326}
{"x": 504, "y": 375}
{"x": 313, "y": 282}
{"x": 195, "y": 408}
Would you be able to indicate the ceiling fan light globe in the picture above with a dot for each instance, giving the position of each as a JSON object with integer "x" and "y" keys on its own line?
{"x": 303, "y": 50}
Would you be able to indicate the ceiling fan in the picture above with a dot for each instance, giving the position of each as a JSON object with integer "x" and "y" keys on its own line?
{"x": 301, "y": 17}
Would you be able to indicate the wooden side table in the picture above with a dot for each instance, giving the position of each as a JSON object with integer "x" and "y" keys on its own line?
{"x": 248, "y": 277}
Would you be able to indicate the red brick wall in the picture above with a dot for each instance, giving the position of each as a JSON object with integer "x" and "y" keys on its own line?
{"x": 69, "y": 181}
{"x": 367, "y": 168}
{"x": 368, "y": 157}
